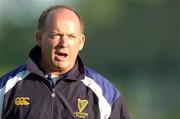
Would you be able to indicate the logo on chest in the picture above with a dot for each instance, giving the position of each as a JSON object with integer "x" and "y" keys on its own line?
{"x": 22, "y": 101}
{"x": 81, "y": 104}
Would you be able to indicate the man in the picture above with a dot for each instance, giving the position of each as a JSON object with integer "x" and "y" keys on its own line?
{"x": 54, "y": 83}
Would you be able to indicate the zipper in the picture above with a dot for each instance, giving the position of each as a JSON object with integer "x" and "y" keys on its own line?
{"x": 51, "y": 88}
{"x": 53, "y": 95}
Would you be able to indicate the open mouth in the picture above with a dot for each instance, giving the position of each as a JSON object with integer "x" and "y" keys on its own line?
{"x": 61, "y": 56}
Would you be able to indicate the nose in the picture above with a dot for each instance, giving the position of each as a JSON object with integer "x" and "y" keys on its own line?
{"x": 63, "y": 41}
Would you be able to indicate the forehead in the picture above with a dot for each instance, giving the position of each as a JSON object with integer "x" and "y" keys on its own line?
{"x": 62, "y": 15}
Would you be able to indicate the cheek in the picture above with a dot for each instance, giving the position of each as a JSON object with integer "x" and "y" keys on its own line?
{"x": 47, "y": 47}
{"x": 75, "y": 50}
{"x": 75, "y": 45}
{"x": 49, "y": 44}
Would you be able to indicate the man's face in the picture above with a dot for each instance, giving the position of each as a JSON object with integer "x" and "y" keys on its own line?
{"x": 60, "y": 41}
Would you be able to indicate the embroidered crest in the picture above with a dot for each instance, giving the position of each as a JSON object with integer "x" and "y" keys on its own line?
{"x": 82, "y": 104}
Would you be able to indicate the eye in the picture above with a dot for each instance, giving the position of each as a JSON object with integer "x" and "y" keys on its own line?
{"x": 72, "y": 36}
{"x": 54, "y": 36}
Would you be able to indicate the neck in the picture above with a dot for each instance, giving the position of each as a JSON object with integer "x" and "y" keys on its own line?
{"x": 51, "y": 70}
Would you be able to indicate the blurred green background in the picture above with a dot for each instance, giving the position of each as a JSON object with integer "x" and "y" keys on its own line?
{"x": 134, "y": 43}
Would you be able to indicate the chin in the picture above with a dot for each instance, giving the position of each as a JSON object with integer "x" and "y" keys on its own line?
{"x": 62, "y": 66}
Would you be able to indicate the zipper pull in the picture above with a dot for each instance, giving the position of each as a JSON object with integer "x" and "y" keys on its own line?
{"x": 53, "y": 95}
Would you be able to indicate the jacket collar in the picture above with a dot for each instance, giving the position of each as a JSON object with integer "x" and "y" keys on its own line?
{"x": 33, "y": 65}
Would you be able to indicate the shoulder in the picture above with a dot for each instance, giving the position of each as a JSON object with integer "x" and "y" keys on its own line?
{"x": 99, "y": 82}
{"x": 18, "y": 71}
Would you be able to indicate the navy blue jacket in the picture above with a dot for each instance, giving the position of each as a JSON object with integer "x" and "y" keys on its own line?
{"x": 27, "y": 93}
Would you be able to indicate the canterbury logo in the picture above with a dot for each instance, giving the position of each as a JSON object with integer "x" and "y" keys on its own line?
{"x": 82, "y": 104}
{"x": 20, "y": 101}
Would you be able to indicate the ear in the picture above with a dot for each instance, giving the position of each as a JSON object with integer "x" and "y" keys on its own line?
{"x": 38, "y": 38}
{"x": 82, "y": 42}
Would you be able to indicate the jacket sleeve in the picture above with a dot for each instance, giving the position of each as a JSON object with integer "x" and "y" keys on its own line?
{"x": 1, "y": 98}
{"x": 119, "y": 110}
